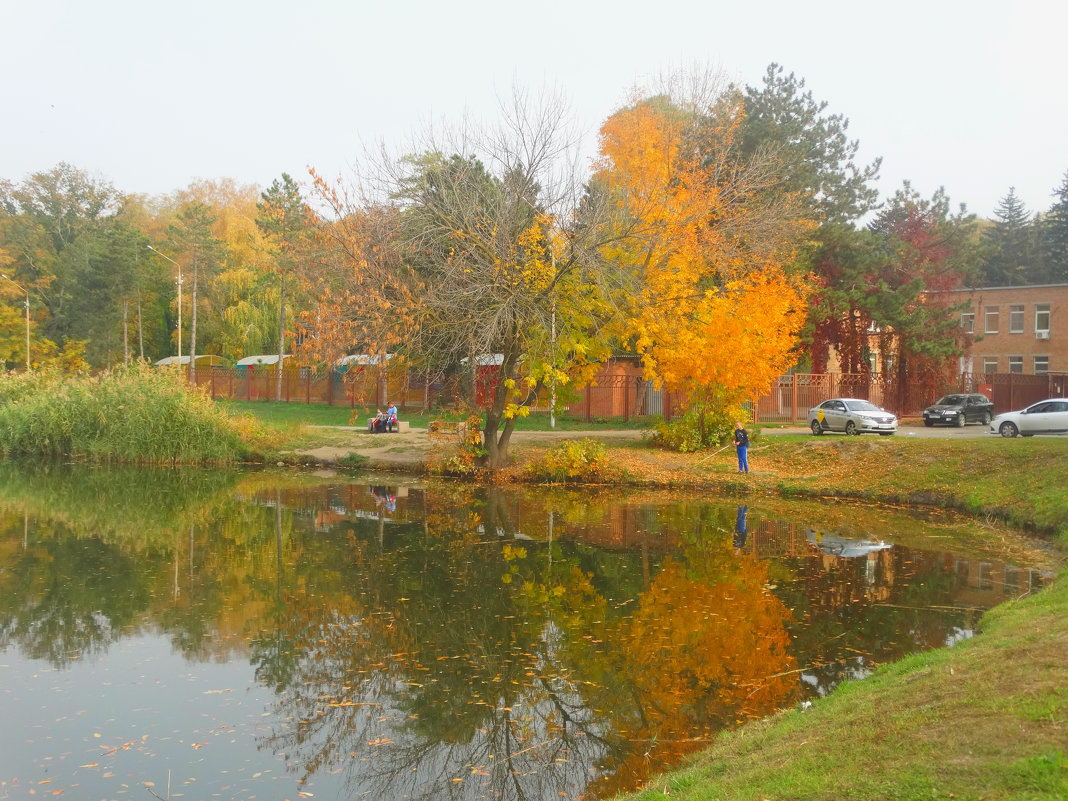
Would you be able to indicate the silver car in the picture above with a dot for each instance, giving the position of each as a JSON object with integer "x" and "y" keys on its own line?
{"x": 851, "y": 415}
{"x": 1045, "y": 417}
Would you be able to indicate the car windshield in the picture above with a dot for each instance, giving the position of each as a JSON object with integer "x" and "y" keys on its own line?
{"x": 862, "y": 406}
{"x": 950, "y": 400}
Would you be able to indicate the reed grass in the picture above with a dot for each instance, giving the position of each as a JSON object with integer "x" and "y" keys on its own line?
{"x": 134, "y": 415}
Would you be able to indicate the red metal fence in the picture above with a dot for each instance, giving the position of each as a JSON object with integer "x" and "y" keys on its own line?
{"x": 620, "y": 392}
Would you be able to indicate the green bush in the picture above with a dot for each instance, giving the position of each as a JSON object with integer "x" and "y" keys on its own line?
{"x": 138, "y": 414}
{"x": 696, "y": 430}
{"x": 580, "y": 460}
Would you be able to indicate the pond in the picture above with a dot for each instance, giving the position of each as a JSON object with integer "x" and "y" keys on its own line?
{"x": 201, "y": 634}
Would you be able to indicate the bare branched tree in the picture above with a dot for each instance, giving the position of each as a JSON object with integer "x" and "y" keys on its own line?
{"x": 461, "y": 250}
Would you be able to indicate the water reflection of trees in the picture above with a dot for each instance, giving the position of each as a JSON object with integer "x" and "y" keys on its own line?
{"x": 467, "y": 659}
{"x": 462, "y": 639}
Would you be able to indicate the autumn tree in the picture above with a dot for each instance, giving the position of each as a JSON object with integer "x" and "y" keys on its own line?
{"x": 115, "y": 269}
{"x": 191, "y": 237}
{"x": 238, "y": 304}
{"x": 700, "y": 239}
{"x": 49, "y": 226}
{"x": 921, "y": 250}
{"x": 464, "y": 248}
{"x": 283, "y": 220}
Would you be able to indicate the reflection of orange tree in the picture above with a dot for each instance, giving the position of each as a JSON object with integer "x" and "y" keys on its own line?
{"x": 706, "y": 648}
{"x": 502, "y": 662}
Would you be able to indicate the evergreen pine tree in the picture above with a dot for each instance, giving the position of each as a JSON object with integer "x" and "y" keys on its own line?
{"x": 1055, "y": 228}
{"x": 1011, "y": 244}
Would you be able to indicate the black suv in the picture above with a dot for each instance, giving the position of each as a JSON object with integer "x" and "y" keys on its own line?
{"x": 959, "y": 409}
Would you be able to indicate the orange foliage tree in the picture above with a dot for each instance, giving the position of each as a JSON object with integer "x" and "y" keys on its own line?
{"x": 703, "y": 244}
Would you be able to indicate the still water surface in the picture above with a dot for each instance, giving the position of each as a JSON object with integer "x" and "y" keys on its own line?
{"x": 232, "y": 635}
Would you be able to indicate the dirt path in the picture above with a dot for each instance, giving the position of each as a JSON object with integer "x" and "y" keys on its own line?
{"x": 412, "y": 448}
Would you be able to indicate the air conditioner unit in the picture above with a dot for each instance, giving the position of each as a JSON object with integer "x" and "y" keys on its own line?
{"x": 1041, "y": 334}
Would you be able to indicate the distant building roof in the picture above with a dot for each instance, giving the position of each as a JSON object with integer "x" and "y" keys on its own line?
{"x": 204, "y": 358}
{"x": 363, "y": 359}
{"x": 249, "y": 361}
{"x": 486, "y": 360}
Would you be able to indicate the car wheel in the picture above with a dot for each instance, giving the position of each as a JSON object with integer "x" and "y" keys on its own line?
{"x": 986, "y": 419}
{"x": 928, "y": 423}
{"x": 960, "y": 420}
{"x": 851, "y": 429}
{"x": 1008, "y": 430}
{"x": 817, "y": 429}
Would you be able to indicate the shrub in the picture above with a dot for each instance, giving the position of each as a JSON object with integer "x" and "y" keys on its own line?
{"x": 133, "y": 414}
{"x": 582, "y": 460}
{"x": 459, "y": 448}
{"x": 698, "y": 429}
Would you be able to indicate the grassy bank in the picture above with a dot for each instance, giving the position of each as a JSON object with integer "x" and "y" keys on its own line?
{"x": 1022, "y": 481}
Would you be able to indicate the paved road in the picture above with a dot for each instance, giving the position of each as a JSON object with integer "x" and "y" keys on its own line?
{"x": 970, "y": 431}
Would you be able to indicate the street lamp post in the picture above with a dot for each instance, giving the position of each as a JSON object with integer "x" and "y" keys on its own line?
{"x": 27, "y": 293}
{"x": 176, "y": 264}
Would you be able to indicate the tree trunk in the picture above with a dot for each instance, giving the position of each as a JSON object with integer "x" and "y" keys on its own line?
{"x": 497, "y": 439}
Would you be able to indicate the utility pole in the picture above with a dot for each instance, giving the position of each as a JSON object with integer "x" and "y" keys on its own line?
{"x": 176, "y": 264}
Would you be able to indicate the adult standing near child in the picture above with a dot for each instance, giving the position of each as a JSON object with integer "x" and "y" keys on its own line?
{"x": 741, "y": 444}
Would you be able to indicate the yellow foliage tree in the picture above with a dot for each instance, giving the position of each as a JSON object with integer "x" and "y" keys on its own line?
{"x": 704, "y": 245}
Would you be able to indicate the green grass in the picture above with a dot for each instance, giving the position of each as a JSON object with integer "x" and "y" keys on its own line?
{"x": 917, "y": 729}
{"x": 1021, "y": 481}
{"x": 274, "y": 413}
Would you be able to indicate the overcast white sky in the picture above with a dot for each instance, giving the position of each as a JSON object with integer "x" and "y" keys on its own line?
{"x": 151, "y": 95}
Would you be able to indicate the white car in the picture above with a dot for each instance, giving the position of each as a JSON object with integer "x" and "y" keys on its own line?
{"x": 1045, "y": 417}
{"x": 851, "y": 415}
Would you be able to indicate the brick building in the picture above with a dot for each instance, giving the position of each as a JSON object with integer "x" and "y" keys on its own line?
{"x": 1015, "y": 329}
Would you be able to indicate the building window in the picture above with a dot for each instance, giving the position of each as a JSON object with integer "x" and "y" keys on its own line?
{"x": 986, "y": 576}
{"x": 1016, "y": 318}
{"x": 1016, "y": 364}
{"x": 1041, "y": 365}
{"x": 967, "y": 322}
{"x": 990, "y": 325}
{"x": 1042, "y": 317}
{"x": 990, "y": 364}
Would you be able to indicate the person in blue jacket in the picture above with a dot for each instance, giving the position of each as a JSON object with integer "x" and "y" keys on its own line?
{"x": 741, "y": 443}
